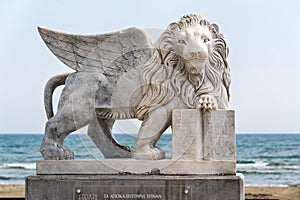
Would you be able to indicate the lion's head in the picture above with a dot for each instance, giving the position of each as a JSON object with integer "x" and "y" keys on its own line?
{"x": 191, "y": 60}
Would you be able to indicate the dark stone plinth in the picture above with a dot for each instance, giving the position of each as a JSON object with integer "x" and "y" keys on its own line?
{"x": 96, "y": 187}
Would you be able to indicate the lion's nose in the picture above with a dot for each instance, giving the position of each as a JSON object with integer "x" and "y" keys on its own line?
{"x": 196, "y": 54}
{"x": 197, "y": 50}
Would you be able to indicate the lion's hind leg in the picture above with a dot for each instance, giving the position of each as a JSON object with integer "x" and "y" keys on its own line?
{"x": 52, "y": 144}
{"x": 74, "y": 112}
{"x": 56, "y": 130}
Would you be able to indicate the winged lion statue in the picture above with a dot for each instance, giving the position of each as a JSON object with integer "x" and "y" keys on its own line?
{"x": 125, "y": 75}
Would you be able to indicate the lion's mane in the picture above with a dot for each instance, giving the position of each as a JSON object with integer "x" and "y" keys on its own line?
{"x": 165, "y": 75}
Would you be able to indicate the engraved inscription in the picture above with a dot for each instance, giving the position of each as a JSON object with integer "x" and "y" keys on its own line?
{"x": 88, "y": 197}
{"x": 132, "y": 196}
{"x": 133, "y": 193}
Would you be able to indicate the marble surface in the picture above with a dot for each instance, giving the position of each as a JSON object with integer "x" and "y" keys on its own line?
{"x": 200, "y": 135}
{"x": 125, "y": 75}
{"x": 219, "y": 135}
{"x": 187, "y": 137}
{"x": 132, "y": 166}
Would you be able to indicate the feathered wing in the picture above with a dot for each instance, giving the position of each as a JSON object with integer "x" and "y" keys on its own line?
{"x": 110, "y": 54}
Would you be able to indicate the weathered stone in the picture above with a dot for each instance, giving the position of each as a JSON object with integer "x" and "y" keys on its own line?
{"x": 219, "y": 135}
{"x": 124, "y": 75}
{"x": 132, "y": 166}
{"x": 187, "y": 139}
{"x": 95, "y": 187}
{"x": 200, "y": 135}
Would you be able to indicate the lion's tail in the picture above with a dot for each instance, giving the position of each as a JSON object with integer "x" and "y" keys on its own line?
{"x": 53, "y": 83}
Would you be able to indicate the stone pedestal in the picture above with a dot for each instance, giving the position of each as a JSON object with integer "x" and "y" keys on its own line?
{"x": 96, "y": 187}
{"x": 202, "y": 167}
{"x": 131, "y": 166}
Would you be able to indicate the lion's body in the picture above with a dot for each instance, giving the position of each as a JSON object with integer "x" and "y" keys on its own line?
{"x": 167, "y": 79}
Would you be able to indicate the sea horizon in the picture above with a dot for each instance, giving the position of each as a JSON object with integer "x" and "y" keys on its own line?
{"x": 166, "y": 133}
{"x": 264, "y": 159}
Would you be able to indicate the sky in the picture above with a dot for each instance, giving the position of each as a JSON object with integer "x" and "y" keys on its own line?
{"x": 263, "y": 37}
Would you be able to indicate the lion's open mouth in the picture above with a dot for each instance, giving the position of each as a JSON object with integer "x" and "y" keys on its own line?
{"x": 197, "y": 59}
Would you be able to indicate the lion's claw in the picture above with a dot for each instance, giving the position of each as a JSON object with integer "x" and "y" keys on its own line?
{"x": 207, "y": 103}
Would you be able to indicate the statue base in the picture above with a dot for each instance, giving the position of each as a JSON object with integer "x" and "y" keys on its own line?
{"x": 96, "y": 187}
{"x": 203, "y": 166}
{"x": 132, "y": 166}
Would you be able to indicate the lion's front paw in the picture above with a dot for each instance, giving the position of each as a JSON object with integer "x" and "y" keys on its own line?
{"x": 149, "y": 154}
{"x": 207, "y": 103}
{"x": 53, "y": 152}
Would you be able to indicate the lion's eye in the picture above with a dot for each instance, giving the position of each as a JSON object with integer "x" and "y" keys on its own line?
{"x": 181, "y": 42}
{"x": 206, "y": 40}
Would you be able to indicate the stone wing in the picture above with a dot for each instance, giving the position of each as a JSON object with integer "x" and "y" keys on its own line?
{"x": 110, "y": 54}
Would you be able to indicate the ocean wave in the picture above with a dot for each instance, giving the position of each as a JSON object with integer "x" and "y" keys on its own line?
{"x": 267, "y": 166}
{"x": 5, "y": 178}
{"x": 277, "y": 157}
{"x": 283, "y": 164}
{"x": 244, "y": 161}
{"x": 258, "y": 165}
{"x": 19, "y": 165}
{"x": 258, "y": 172}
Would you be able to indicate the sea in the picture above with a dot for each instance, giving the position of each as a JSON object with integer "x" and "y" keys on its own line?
{"x": 264, "y": 159}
